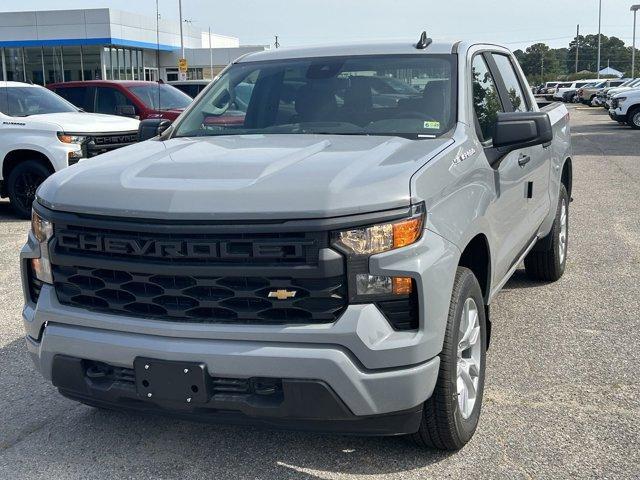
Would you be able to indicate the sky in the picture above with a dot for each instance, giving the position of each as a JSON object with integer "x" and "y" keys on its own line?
{"x": 514, "y": 23}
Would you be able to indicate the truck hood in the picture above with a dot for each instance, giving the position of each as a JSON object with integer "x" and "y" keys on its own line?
{"x": 244, "y": 177}
{"x": 83, "y": 122}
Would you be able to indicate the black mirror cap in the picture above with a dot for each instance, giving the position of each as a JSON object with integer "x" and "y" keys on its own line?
{"x": 126, "y": 110}
{"x": 517, "y": 130}
{"x": 152, "y": 127}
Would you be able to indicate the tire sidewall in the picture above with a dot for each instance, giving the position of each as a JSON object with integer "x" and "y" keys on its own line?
{"x": 634, "y": 118}
{"x": 28, "y": 165}
{"x": 465, "y": 428}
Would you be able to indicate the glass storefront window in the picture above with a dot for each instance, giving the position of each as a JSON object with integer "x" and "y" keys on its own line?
{"x": 14, "y": 64}
{"x": 52, "y": 64}
{"x": 33, "y": 65}
{"x": 121, "y": 69}
{"x": 72, "y": 64}
{"x": 92, "y": 62}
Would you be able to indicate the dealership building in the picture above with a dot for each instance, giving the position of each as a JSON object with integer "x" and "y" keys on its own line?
{"x": 63, "y": 45}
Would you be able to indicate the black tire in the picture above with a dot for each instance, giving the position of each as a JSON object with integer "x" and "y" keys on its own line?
{"x": 22, "y": 184}
{"x": 443, "y": 426}
{"x": 633, "y": 118}
{"x": 545, "y": 262}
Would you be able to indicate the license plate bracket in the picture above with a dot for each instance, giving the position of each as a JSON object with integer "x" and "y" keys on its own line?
{"x": 166, "y": 380}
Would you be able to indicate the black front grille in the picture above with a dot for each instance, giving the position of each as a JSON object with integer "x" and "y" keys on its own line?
{"x": 97, "y": 144}
{"x": 274, "y": 248}
{"x": 102, "y": 373}
{"x": 202, "y": 299}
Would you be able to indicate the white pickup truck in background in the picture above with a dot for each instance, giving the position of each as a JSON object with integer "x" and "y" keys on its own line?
{"x": 41, "y": 133}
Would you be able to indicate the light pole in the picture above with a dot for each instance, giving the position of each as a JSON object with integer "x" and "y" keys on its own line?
{"x": 634, "y": 9}
{"x": 181, "y": 36}
{"x": 599, "y": 32}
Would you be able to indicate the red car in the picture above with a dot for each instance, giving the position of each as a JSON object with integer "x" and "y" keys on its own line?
{"x": 129, "y": 98}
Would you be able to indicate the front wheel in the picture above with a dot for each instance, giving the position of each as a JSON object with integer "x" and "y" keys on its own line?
{"x": 22, "y": 184}
{"x": 547, "y": 261}
{"x": 633, "y": 118}
{"x": 451, "y": 415}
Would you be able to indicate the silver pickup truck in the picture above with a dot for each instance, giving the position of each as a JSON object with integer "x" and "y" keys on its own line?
{"x": 314, "y": 243}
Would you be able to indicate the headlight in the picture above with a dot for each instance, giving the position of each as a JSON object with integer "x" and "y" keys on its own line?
{"x": 73, "y": 139}
{"x": 43, "y": 231}
{"x": 384, "y": 237}
{"x": 620, "y": 99}
{"x": 360, "y": 243}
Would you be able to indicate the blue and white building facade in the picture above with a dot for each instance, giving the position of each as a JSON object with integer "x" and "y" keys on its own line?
{"x": 64, "y": 45}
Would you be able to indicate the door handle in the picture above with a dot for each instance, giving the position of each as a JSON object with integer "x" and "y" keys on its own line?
{"x": 523, "y": 160}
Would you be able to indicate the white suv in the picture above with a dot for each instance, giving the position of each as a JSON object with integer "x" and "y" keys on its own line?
{"x": 41, "y": 133}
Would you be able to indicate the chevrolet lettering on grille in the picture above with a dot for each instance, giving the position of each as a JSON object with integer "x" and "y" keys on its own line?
{"x": 143, "y": 247}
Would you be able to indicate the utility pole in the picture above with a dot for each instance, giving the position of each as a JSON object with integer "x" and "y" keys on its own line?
{"x": 634, "y": 9}
{"x": 599, "y": 33}
{"x": 181, "y": 36}
{"x": 277, "y": 44}
{"x": 577, "y": 46}
{"x": 210, "y": 54}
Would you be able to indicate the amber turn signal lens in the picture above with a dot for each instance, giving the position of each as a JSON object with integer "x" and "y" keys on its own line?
{"x": 407, "y": 232}
{"x": 402, "y": 285}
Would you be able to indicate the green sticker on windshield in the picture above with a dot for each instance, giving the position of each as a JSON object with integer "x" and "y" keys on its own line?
{"x": 432, "y": 124}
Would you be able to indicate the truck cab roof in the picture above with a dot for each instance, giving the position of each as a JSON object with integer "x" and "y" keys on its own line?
{"x": 350, "y": 49}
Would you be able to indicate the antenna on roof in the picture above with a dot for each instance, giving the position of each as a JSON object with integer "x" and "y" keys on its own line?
{"x": 424, "y": 41}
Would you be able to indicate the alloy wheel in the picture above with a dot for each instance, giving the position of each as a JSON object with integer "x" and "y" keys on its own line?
{"x": 469, "y": 355}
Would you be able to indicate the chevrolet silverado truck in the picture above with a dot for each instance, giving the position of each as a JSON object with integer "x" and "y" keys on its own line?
{"x": 41, "y": 133}
{"x": 625, "y": 108}
{"x": 326, "y": 263}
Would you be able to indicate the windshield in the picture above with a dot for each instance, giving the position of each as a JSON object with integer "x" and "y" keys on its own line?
{"x": 403, "y": 95}
{"x": 25, "y": 101}
{"x": 160, "y": 96}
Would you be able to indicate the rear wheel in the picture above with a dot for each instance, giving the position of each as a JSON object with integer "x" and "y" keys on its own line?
{"x": 452, "y": 413}
{"x": 547, "y": 264}
{"x": 633, "y": 118}
{"x": 22, "y": 184}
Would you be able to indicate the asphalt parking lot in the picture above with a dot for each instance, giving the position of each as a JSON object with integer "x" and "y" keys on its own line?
{"x": 562, "y": 397}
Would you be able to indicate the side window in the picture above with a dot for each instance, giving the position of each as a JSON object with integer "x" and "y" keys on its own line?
{"x": 512, "y": 84}
{"x": 109, "y": 99}
{"x": 75, "y": 95}
{"x": 485, "y": 98}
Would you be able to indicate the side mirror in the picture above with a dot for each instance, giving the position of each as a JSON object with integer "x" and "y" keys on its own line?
{"x": 516, "y": 130}
{"x": 152, "y": 127}
{"x": 126, "y": 110}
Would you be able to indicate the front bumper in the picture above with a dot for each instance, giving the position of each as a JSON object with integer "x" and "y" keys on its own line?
{"x": 371, "y": 369}
{"x": 617, "y": 115}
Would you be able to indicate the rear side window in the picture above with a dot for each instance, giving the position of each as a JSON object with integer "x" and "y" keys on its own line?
{"x": 75, "y": 95}
{"x": 109, "y": 99}
{"x": 512, "y": 84}
{"x": 485, "y": 98}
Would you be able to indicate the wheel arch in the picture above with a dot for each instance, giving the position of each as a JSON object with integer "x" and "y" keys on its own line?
{"x": 476, "y": 256}
{"x": 14, "y": 157}
{"x": 566, "y": 177}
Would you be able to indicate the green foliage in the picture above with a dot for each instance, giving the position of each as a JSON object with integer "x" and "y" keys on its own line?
{"x": 542, "y": 64}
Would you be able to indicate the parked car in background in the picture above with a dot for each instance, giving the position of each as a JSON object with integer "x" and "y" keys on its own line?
{"x": 612, "y": 92}
{"x": 41, "y": 133}
{"x": 588, "y": 93}
{"x": 563, "y": 87}
{"x": 190, "y": 87}
{"x": 327, "y": 262}
{"x": 601, "y": 95}
{"x": 625, "y": 108}
{"x": 128, "y": 98}
{"x": 548, "y": 88}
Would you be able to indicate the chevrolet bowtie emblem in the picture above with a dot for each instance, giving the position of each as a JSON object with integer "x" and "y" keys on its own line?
{"x": 282, "y": 294}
